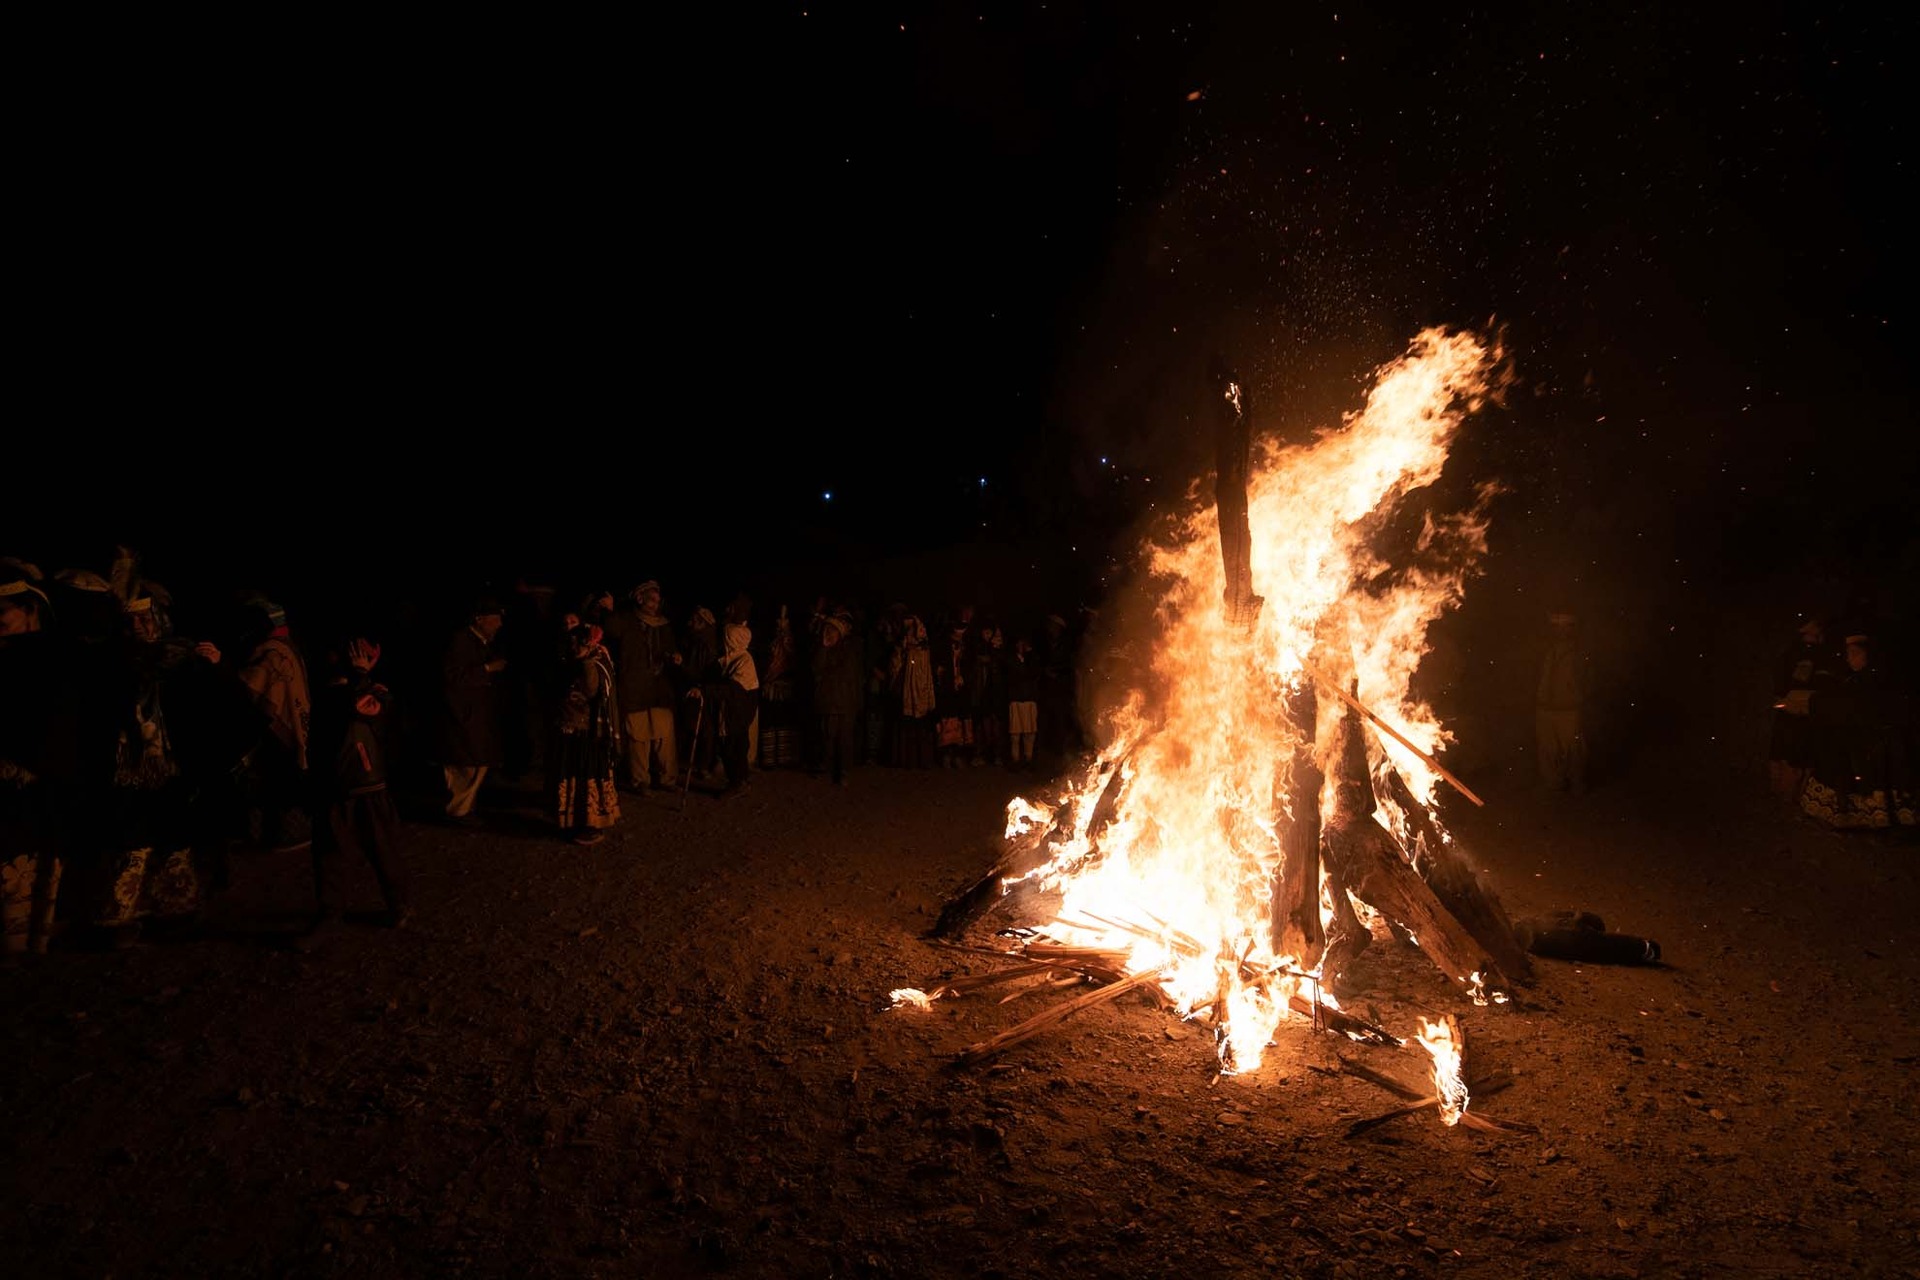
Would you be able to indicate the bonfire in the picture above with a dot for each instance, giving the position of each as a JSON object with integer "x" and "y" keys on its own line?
{"x": 1268, "y": 789}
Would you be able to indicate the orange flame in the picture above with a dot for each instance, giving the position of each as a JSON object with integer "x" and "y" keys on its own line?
{"x": 1184, "y": 873}
{"x": 1449, "y": 1085}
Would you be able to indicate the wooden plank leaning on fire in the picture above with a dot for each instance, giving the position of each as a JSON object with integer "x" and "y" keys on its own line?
{"x": 1363, "y": 859}
{"x": 1453, "y": 880}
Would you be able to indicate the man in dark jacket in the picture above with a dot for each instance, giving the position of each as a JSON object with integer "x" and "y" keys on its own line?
{"x": 471, "y": 741}
{"x": 645, "y": 654}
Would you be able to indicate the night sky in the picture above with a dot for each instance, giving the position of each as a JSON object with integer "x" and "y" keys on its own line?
{"x": 426, "y": 306}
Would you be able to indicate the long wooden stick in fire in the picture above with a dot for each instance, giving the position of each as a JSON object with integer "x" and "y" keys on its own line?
{"x": 1392, "y": 732}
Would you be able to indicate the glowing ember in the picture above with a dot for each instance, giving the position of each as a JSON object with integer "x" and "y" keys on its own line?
{"x": 1449, "y": 1085}
{"x": 1167, "y": 848}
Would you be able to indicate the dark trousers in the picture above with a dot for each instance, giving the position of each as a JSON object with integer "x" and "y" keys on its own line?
{"x": 727, "y": 699}
{"x": 276, "y": 790}
{"x": 364, "y": 826}
{"x": 837, "y": 750}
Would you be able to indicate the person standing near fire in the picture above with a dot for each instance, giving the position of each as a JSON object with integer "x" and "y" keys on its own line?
{"x": 1023, "y": 704}
{"x": 1809, "y": 665}
{"x": 39, "y": 759}
{"x": 1559, "y": 708}
{"x": 838, "y": 672}
{"x": 587, "y": 801}
{"x": 911, "y": 675}
{"x": 354, "y": 815}
{"x": 275, "y": 676}
{"x": 470, "y": 738}
{"x": 953, "y": 696}
{"x": 729, "y": 700}
{"x": 645, "y": 654}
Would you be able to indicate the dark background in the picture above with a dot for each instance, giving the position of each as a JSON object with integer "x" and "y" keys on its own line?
{"x": 379, "y": 315}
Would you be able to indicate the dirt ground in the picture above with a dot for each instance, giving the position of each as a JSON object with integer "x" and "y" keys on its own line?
{"x": 672, "y": 1055}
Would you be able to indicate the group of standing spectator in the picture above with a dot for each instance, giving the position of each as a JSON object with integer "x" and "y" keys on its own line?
{"x": 135, "y": 760}
{"x": 636, "y": 703}
{"x": 1842, "y": 740}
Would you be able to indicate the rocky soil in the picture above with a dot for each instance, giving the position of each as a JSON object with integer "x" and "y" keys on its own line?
{"x": 672, "y": 1055}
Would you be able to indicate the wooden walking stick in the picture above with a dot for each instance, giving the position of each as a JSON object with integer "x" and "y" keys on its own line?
{"x": 693, "y": 753}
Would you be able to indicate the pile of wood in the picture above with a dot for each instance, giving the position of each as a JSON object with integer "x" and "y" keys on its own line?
{"x": 1416, "y": 880}
{"x": 1423, "y": 888}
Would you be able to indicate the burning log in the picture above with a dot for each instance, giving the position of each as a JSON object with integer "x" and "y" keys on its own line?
{"x": 1221, "y": 821}
{"x": 1343, "y": 1022}
{"x": 1447, "y": 1044}
{"x": 1364, "y": 859}
{"x": 1032, "y": 850}
{"x": 1484, "y": 1087}
{"x": 1460, "y": 889}
{"x": 1233, "y": 464}
{"x": 1297, "y": 930}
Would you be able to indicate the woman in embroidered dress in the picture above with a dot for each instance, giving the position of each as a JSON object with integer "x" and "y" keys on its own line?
{"x": 589, "y": 741}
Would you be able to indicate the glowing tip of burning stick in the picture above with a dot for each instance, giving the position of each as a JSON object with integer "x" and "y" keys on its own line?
{"x": 910, "y": 997}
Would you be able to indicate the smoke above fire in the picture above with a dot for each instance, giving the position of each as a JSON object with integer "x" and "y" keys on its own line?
{"x": 1181, "y": 873}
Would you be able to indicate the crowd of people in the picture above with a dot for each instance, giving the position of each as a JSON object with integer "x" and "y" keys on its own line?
{"x": 135, "y": 761}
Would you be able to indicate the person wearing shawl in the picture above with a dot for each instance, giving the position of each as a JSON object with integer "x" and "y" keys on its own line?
{"x": 589, "y": 741}
{"x": 275, "y": 675}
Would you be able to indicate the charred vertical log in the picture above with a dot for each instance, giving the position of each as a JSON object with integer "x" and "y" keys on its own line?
{"x": 1296, "y": 891}
{"x": 1346, "y": 937}
{"x": 1463, "y": 892}
{"x": 1233, "y": 462}
{"x": 1107, "y": 808}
